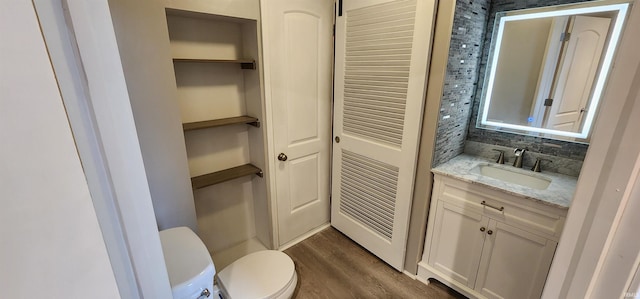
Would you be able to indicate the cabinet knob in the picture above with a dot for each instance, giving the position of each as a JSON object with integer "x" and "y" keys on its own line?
{"x": 490, "y": 232}
{"x": 282, "y": 157}
{"x": 482, "y": 229}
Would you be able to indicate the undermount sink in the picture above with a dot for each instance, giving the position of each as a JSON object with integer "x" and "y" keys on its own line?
{"x": 514, "y": 176}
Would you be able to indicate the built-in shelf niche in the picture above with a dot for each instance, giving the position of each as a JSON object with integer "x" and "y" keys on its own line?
{"x": 252, "y": 121}
{"x": 218, "y": 177}
{"x": 245, "y": 64}
{"x": 215, "y": 61}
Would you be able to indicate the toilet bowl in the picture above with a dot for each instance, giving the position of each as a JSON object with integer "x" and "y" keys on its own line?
{"x": 262, "y": 274}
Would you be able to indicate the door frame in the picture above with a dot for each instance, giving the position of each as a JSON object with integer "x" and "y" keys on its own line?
{"x": 443, "y": 26}
{"x": 93, "y": 87}
{"x": 268, "y": 120}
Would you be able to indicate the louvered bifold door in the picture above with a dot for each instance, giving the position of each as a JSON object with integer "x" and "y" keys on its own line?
{"x": 382, "y": 52}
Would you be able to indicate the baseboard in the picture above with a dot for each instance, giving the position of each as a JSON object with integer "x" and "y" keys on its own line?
{"x": 411, "y": 275}
{"x": 304, "y": 236}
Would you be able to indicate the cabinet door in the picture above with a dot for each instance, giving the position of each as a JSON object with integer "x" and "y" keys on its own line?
{"x": 514, "y": 263}
{"x": 456, "y": 247}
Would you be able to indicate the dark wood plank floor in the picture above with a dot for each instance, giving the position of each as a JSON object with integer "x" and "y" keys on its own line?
{"x": 330, "y": 265}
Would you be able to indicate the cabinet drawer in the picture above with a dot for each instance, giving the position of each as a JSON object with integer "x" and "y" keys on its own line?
{"x": 526, "y": 214}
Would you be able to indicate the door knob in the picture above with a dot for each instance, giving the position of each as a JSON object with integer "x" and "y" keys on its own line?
{"x": 282, "y": 157}
{"x": 205, "y": 294}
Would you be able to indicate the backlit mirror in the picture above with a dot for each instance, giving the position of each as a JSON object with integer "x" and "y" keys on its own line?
{"x": 547, "y": 69}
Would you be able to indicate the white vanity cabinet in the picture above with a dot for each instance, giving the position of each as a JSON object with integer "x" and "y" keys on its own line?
{"x": 487, "y": 243}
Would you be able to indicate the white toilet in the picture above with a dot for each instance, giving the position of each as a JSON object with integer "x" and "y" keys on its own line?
{"x": 262, "y": 274}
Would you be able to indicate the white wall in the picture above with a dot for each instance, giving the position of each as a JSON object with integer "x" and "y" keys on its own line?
{"x": 619, "y": 260}
{"x": 52, "y": 245}
{"x": 521, "y": 58}
{"x": 143, "y": 41}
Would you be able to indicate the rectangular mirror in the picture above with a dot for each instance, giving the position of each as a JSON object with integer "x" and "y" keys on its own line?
{"x": 547, "y": 69}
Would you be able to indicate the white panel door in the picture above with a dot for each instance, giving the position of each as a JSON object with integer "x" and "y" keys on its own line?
{"x": 381, "y": 53}
{"x": 299, "y": 36}
{"x": 514, "y": 263}
{"x": 579, "y": 67}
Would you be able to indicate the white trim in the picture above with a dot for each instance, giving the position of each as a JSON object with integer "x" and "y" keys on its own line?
{"x": 102, "y": 121}
{"x": 633, "y": 290}
{"x": 73, "y": 88}
{"x": 268, "y": 119}
{"x": 304, "y": 237}
{"x": 411, "y": 275}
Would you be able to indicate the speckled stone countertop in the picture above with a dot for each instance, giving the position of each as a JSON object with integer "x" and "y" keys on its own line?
{"x": 559, "y": 193}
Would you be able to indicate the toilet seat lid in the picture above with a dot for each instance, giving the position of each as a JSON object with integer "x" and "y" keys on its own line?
{"x": 262, "y": 274}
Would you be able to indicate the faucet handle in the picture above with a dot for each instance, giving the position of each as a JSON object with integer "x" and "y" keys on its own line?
{"x": 500, "y": 157}
{"x": 536, "y": 167}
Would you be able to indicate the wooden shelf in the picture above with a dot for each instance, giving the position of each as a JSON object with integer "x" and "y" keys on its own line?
{"x": 246, "y": 64}
{"x": 221, "y": 122}
{"x": 217, "y": 177}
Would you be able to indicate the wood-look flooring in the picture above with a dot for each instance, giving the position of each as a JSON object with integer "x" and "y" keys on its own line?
{"x": 330, "y": 265}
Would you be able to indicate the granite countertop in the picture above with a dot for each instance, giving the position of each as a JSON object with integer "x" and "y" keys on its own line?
{"x": 558, "y": 194}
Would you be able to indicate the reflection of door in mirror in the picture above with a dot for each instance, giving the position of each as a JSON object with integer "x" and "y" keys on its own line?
{"x": 578, "y": 67}
{"x": 522, "y": 51}
{"x": 549, "y": 70}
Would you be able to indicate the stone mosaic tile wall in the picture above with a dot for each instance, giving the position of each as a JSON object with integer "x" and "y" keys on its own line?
{"x": 463, "y": 86}
{"x": 561, "y": 149}
{"x": 462, "y": 76}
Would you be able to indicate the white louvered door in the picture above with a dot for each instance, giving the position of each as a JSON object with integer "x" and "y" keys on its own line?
{"x": 382, "y": 51}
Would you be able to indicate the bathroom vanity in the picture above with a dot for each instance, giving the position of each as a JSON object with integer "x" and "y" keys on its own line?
{"x": 493, "y": 229}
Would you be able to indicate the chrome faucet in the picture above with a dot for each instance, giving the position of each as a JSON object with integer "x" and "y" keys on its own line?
{"x": 519, "y": 152}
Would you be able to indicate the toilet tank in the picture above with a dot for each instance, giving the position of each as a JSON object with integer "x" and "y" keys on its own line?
{"x": 189, "y": 264}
